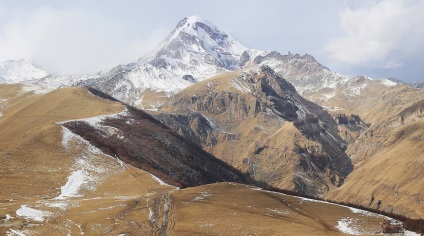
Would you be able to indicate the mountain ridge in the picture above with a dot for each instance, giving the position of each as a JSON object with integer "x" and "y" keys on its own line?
{"x": 248, "y": 112}
{"x": 196, "y": 49}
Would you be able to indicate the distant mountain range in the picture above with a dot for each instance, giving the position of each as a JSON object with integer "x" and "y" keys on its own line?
{"x": 195, "y": 50}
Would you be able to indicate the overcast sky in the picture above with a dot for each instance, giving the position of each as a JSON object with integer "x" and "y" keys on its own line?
{"x": 358, "y": 37}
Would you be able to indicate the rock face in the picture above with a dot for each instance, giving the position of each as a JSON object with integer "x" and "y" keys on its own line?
{"x": 417, "y": 84}
{"x": 315, "y": 81}
{"x": 256, "y": 121}
{"x": 138, "y": 139}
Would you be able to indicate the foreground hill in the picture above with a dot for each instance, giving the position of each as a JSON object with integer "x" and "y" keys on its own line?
{"x": 49, "y": 173}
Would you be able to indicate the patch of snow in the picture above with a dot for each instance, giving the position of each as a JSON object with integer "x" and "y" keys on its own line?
{"x": 348, "y": 226}
{"x": 139, "y": 102}
{"x": 160, "y": 181}
{"x": 202, "y": 196}
{"x": 79, "y": 227}
{"x": 67, "y": 135}
{"x": 8, "y": 217}
{"x": 96, "y": 120}
{"x": 276, "y": 211}
{"x": 13, "y": 232}
{"x": 327, "y": 96}
{"x": 356, "y": 90}
{"x": 61, "y": 205}
{"x": 276, "y": 114}
{"x": 150, "y": 214}
{"x": 206, "y": 225}
{"x": 211, "y": 123}
{"x": 160, "y": 79}
{"x": 410, "y": 233}
{"x": 35, "y": 89}
{"x": 367, "y": 213}
{"x": 121, "y": 163}
{"x": 75, "y": 181}
{"x": 332, "y": 108}
{"x": 388, "y": 83}
{"x": 240, "y": 85}
{"x": 354, "y": 210}
{"x": 253, "y": 54}
{"x": 33, "y": 214}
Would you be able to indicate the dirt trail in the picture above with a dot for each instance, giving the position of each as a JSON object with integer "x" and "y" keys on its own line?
{"x": 165, "y": 215}
{"x": 162, "y": 215}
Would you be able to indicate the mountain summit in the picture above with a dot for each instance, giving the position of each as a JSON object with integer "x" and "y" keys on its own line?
{"x": 198, "y": 44}
{"x": 193, "y": 51}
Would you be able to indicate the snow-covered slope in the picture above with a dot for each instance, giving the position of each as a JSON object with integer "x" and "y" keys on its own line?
{"x": 311, "y": 79}
{"x": 199, "y": 46}
{"x": 20, "y": 71}
{"x": 193, "y": 51}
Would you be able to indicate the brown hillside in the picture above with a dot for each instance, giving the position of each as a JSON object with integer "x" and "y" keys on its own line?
{"x": 390, "y": 162}
{"x": 255, "y": 121}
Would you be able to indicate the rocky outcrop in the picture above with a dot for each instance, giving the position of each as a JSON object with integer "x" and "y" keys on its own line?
{"x": 196, "y": 128}
{"x": 246, "y": 113}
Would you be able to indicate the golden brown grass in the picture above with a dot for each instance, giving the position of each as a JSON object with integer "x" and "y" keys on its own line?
{"x": 394, "y": 175}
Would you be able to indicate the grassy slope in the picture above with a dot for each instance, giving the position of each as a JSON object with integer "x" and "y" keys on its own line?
{"x": 394, "y": 175}
{"x": 34, "y": 165}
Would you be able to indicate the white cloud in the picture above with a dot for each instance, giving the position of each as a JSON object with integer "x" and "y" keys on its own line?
{"x": 72, "y": 41}
{"x": 379, "y": 33}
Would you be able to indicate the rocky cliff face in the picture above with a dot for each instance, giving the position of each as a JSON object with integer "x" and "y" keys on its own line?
{"x": 256, "y": 121}
{"x": 417, "y": 84}
{"x": 138, "y": 139}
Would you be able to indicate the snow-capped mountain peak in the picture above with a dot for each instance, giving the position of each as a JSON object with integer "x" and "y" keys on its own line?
{"x": 15, "y": 71}
{"x": 206, "y": 32}
{"x": 195, "y": 50}
{"x": 196, "y": 41}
